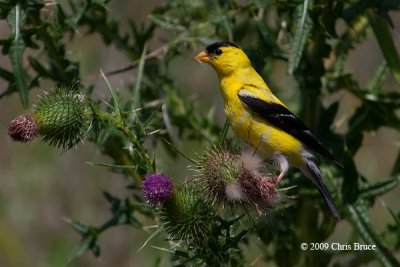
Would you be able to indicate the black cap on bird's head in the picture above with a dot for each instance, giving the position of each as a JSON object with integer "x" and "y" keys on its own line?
{"x": 224, "y": 57}
{"x": 213, "y": 50}
{"x": 215, "y": 47}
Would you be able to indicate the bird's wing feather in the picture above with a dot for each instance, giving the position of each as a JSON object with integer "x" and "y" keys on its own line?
{"x": 279, "y": 116}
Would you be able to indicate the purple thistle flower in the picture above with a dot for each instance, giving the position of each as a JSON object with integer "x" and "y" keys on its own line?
{"x": 23, "y": 128}
{"x": 157, "y": 188}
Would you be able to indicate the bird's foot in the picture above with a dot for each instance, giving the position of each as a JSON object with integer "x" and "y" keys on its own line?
{"x": 278, "y": 178}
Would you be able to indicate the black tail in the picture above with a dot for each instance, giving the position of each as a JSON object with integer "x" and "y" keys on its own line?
{"x": 312, "y": 171}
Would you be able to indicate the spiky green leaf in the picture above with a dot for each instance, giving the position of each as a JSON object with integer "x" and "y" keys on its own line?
{"x": 16, "y": 20}
{"x": 304, "y": 25}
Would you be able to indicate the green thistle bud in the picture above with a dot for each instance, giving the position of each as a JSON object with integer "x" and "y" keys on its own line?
{"x": 63, "y": 117}
{"x": 187, "y": 215}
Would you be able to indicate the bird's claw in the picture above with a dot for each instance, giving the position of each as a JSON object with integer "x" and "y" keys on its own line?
{"x": 278, "y": 178}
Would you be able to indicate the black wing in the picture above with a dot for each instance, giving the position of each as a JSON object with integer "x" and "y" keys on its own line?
{"x": 285, "y": 120}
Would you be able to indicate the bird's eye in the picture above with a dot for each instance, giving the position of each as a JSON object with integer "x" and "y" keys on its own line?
{"x": 218, "y": 51}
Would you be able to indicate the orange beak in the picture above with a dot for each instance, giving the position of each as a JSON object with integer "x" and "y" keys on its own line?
{"x": 202, "y": 56}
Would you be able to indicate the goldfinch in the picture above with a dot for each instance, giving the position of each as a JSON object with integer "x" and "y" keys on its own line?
{"x": 261, "y": 120}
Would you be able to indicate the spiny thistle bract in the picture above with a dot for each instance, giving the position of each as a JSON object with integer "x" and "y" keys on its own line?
{"x": 187, "y": 215}
{"x": 235, "y": 178}
{"x": 63, "y": 117}
{"x": 157, "y": 188}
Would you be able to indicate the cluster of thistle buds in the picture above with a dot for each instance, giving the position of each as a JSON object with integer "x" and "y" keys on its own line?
{"x": 61, "y": 117}
{"x": 224, "y": 179}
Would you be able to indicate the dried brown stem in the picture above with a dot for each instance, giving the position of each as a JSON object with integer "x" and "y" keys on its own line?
{"x": 156, "y": 53}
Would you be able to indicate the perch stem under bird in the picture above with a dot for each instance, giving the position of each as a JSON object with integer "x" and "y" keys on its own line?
{"x": 263, "y": 121}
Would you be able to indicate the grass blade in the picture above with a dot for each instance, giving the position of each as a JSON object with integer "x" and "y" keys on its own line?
{"x": 378, "y": 78}
{"x": 305, "y": 25}
{"x": 385, "y": 41}
{"x": 114, "y": 96}
{"x": 15, "y": 19}
{"x": 101, "y": 164}
{"x": 151, "y": 237}
{"x": 224, "y": 132}
{"x": 138, "y": 81}
{"x": 178, "y": 151}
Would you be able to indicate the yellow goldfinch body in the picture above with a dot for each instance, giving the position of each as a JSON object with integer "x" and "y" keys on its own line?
{"x": 267, "y": 139}
{"x": 261, "y": 120}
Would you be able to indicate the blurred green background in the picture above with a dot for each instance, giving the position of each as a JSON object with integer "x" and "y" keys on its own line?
{"x": 39, "y": 186}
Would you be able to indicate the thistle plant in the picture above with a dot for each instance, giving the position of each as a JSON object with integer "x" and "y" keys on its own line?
{"x": 149, "y": 126}
{"x": 61, "y": 117}
{"x": 191, "y": 222}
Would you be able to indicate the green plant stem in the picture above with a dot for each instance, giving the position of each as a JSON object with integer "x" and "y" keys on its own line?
{"x": 121, "y": 125}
